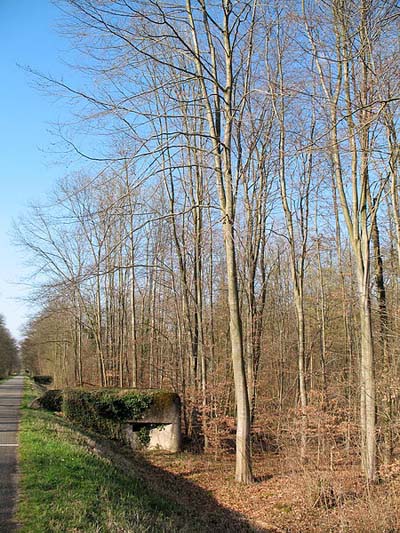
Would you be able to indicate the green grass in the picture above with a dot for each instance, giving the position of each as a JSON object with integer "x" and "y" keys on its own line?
{"x": 65, "y": 487}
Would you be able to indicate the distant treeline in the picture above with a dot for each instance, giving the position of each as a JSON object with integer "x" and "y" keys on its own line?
{"x": 8, "y": 351}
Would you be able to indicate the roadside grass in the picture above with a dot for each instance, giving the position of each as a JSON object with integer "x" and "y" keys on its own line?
{"x": 67, "y": 488}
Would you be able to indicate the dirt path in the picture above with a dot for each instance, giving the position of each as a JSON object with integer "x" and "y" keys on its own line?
{"x": 10, "y": 399}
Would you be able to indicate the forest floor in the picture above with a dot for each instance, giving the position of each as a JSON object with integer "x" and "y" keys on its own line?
{"x": 286, "y": 498}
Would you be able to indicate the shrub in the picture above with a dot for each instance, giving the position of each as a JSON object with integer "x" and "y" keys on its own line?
{"x": 106, "y": 411}
{"x": 52, "y": 400}
{"x": 43, "y": 380}
{"x": 144, "y": 436}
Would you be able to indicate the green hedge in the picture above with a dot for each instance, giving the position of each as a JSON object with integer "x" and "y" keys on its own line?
{"x": 52, "y": 400}
{"x": 105, "y": 411}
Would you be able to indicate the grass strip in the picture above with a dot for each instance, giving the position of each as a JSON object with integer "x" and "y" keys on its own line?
{"x": 66, "y": 488}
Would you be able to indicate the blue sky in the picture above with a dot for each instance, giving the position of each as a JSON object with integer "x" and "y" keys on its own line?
{"x": 28, "y": 36}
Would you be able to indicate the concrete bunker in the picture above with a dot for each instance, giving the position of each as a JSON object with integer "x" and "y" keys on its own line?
{"x": 141, "y": 418}
{"x": 159, "y": 427}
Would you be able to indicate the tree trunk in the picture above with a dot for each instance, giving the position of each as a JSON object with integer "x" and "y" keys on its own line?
{"x": 243, "y": 462}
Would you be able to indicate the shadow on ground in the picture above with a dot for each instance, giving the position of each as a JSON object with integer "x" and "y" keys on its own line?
{"x": 198, "y": 506}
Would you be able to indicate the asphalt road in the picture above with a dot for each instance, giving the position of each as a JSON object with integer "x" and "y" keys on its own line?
{"x": 10, "y": 399}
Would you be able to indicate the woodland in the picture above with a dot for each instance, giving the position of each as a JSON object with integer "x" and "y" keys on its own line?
{"x": 233, "y": 234}
{"x": 9, "y": 360}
